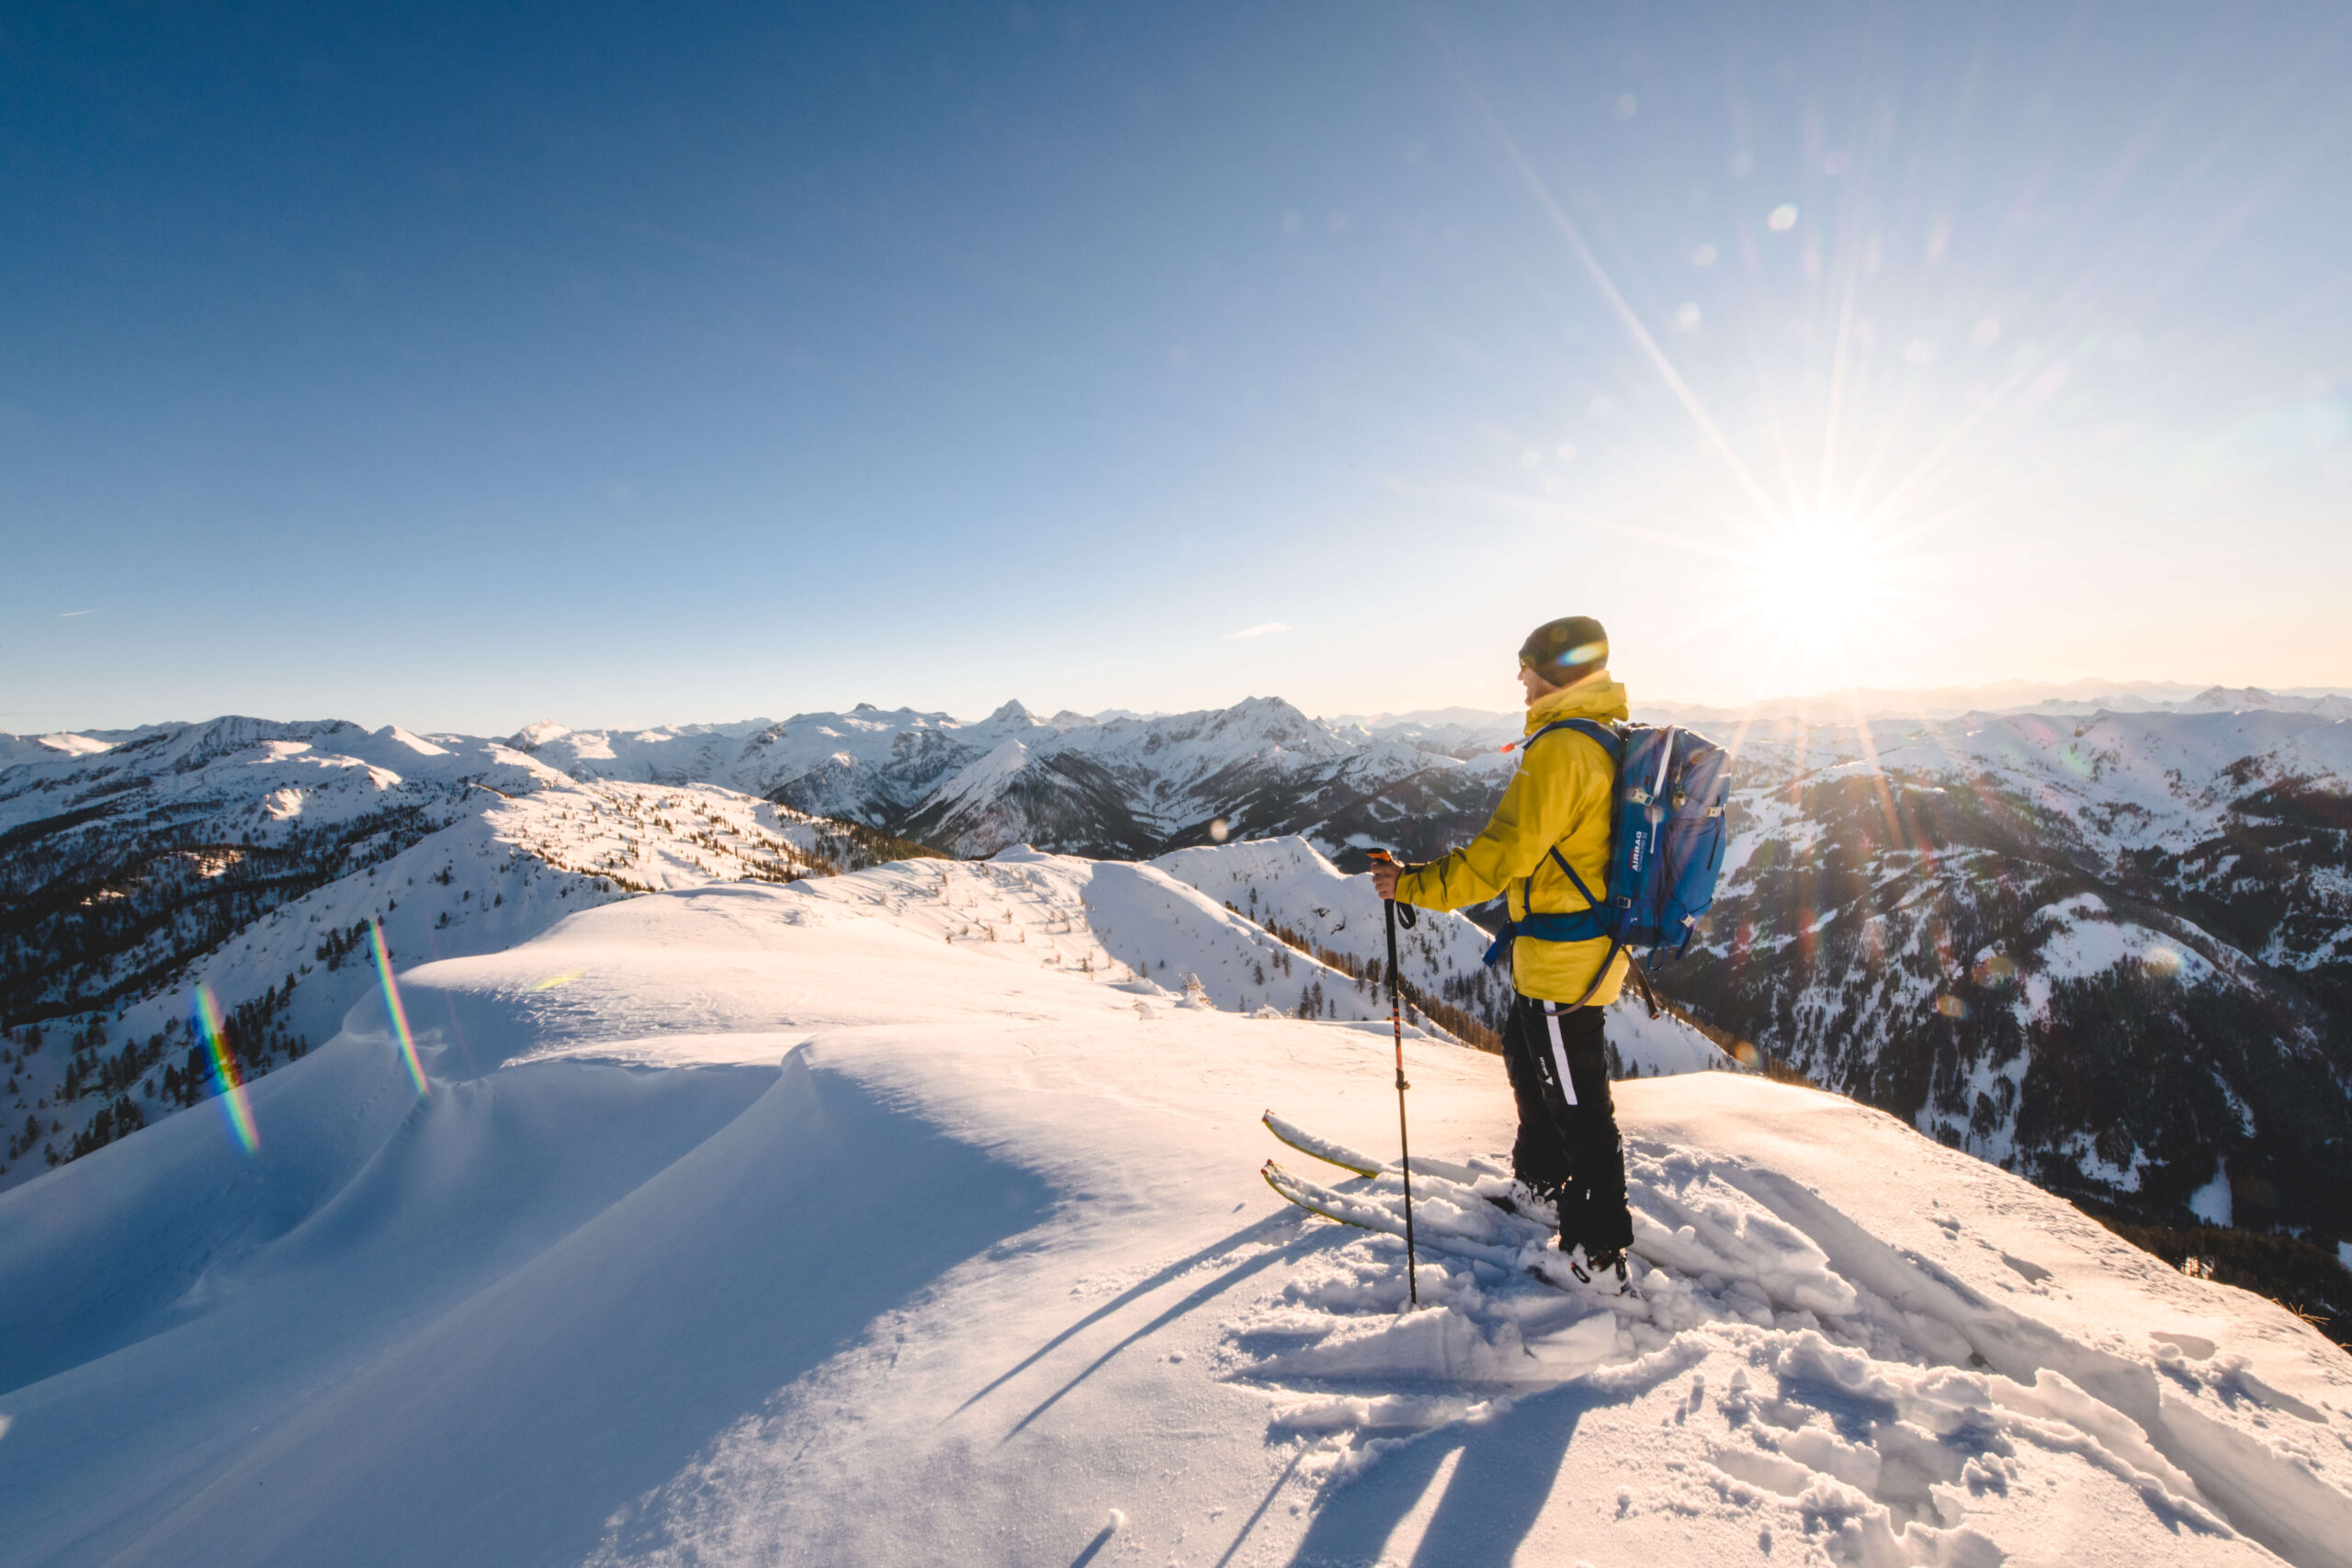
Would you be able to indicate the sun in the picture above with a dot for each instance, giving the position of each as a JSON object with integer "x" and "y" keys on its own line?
{"x": 1819, "y": 586}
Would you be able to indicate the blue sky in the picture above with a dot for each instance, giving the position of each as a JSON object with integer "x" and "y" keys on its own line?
{"x": 463, "y": 367}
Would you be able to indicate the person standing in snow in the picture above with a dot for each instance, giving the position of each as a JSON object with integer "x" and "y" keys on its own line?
{"x": 1567, "y": 1150}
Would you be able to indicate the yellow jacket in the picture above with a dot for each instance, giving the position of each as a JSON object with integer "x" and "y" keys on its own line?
{"x": 1560, "y": 795}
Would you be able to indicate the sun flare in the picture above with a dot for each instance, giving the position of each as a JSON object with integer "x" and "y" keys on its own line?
{"x": 1819, "y": 587}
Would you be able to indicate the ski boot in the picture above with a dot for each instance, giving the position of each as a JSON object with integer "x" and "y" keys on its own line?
{"x": 1526, "y": 1200}
{"x": 1591, "y": 1267}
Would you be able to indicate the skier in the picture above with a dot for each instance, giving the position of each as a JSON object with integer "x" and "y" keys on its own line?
{"x": 1556, "y": 807}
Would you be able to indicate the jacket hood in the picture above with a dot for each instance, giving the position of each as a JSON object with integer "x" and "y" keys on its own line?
{"x": 1603, "y": 698}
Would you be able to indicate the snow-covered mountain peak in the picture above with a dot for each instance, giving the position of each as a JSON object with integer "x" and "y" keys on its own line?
{"x": 531, "y": 737}
{"x": 984, "y": 777}
{"x": 71, "y": 744}
{"x": 393, "y": 734}
{"x": 1455, "y": 732}
{"x": 2230, "y": 699}
{"x": 1270, "y": 717}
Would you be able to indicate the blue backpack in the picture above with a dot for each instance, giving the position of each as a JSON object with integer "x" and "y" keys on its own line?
{"x": 1666, "y": 848}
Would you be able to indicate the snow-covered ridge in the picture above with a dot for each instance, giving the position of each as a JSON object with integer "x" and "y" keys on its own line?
{"x": 1135, "y": 786}
{"x": 904, "y": 1215}
{"x": 1876, "y": 925}
{"x": 457, "y": 847}
{"x": 1288, "y": 885}
{"x": 2076, "y": 698}
{"x": 251, "y": 857}
{"x": 1263, "y": 767}
{"x": 1115, "y": 782}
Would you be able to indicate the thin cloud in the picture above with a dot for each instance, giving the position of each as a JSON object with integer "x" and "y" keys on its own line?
{"x": 68, "y": 614}
{"x": 1263, "y": 628}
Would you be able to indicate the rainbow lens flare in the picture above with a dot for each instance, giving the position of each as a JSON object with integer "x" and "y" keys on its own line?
{"x": 228, "y": 1082}
{"x": 392, "y": 1006}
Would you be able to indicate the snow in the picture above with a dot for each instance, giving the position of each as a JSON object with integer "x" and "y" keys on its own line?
{"x": 2211, "y": 1202}
{"x": 516, "y": 845}
{"x": 43, "y": 747}
{"x": 2122, "y": 780}
{"x": 2082, "y": 938}
{"x": 1652, "y": 1047}
{"x": 984, "y": 777}
{"x": 746, "y": 1223}
{"x": 906, "y": 766}
{"x": 1288, "y": 880}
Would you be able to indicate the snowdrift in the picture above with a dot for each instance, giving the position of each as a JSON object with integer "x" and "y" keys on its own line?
{"x": 912, "y": 1215}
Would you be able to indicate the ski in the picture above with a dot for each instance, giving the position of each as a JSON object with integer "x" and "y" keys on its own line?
{"x": 1346, "y": 1159}
{"x": 1443, "y": 1171}
{"x": 1348, "y": 1210}
{"x": 1454, "y": 1210}
{"x": 1447, "y": 1181}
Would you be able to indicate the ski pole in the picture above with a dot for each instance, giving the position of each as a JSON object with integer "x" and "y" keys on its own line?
{"x": 1397, "y": 1028}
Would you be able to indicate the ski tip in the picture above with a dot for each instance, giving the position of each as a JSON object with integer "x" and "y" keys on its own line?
{"x": 1278, "y": 1179}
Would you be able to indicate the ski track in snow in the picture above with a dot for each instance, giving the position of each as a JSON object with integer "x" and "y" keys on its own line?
{"x": 912, "y": 1215}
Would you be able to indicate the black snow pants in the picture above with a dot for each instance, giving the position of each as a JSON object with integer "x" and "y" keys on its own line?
{"x": 1567, "y": 1125}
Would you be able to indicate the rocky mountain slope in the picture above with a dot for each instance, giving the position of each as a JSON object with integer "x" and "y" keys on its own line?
{"x": 2114, "y": 953}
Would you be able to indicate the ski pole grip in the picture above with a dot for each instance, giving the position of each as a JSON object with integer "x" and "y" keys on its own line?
{"x": 1405, "y": 913}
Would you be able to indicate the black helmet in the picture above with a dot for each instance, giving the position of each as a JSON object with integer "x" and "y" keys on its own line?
{"x": 1565, "y": 650}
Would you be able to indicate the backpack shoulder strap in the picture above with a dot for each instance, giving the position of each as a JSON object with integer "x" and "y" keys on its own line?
{"x": 1575, "y": 880}
{"x": 1592, "y": 730}
{"x": 1611, "y": 741}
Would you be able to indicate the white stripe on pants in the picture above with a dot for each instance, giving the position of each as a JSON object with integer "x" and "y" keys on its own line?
{"x": 1559, "y": 1052}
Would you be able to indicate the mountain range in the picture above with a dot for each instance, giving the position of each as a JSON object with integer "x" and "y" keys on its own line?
{"x": 2112, "y": 952}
